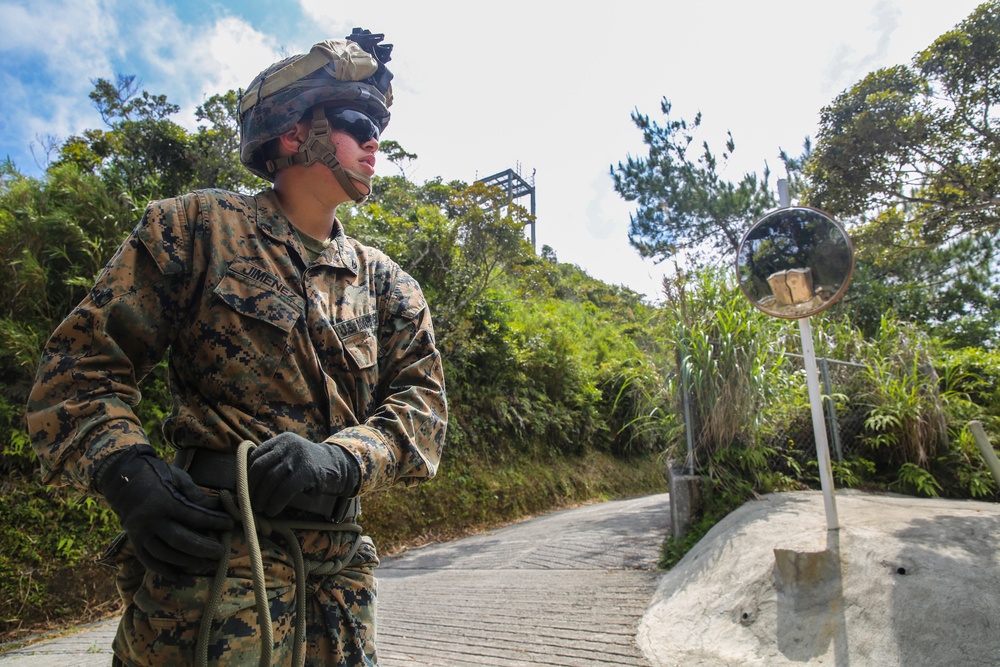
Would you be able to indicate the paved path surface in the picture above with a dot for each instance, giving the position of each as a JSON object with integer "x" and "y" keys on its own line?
{"x": 567, "y": 588}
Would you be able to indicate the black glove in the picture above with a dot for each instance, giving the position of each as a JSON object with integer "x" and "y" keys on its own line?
{"x": 288, "y": 465}
{"x": 168, "y": 519}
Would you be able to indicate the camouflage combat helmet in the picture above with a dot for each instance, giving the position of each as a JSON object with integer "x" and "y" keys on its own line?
{"x": 348, "y": 73}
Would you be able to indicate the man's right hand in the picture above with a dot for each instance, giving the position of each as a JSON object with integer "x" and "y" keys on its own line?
{"x": 168, "y": 519}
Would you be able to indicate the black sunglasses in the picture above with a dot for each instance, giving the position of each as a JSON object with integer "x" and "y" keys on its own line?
{"x": 355, "y": 123}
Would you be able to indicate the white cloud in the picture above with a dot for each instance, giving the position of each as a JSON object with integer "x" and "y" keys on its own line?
{"x": 18, "y": 28}
{"x": 237, "y": 53}
{"x": 226, "y": 55}
{"x": 70, "y": 41}
{"x": 48, "y": 69}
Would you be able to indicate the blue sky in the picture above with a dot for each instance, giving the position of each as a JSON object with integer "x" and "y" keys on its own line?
{"x": 484, "y": 87}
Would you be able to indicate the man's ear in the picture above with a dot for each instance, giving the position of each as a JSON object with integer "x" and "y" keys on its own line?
{"x": 291, "y": 140}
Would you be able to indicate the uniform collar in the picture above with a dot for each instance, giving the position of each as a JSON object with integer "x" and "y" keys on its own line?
{"x": 272, "y": 221}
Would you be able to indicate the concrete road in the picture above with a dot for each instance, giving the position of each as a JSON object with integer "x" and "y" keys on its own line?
{"x": 567, "y": 588}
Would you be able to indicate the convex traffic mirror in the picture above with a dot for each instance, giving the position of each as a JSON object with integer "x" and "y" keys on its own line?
{"x": 795, "y": 262}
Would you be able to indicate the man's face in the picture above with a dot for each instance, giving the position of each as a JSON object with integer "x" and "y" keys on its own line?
{"x": 354, "y": 155}
{"x": 355, "y": 138}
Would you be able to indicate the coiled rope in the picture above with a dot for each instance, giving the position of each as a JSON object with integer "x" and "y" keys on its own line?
{"x": 239, "y": 508}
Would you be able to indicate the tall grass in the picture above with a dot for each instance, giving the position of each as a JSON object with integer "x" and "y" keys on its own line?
{"x": 749, "y": 411}
{"x": 750, "y": 417}
{"x": 729, "y": 363}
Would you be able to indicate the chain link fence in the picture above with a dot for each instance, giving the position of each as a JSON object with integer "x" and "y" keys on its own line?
{"x": 790, "y": 427}
{"x": 841, "y": 383}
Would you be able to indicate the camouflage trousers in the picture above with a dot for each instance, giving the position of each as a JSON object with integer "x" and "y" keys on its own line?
{"x": 162, "y": 617}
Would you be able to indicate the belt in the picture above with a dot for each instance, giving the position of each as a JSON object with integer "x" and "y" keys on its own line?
{"x": 217, "y": 470}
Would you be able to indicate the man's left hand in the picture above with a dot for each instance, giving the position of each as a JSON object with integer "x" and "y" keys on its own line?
{"x": 288, "y": 465}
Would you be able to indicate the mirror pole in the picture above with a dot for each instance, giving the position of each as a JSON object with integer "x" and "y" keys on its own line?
{"x": 815, "y": 400}
{"x": 784, "y": 199}
{"x": 819, "y": 424}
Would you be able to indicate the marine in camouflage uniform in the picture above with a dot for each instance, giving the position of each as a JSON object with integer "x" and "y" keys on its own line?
{"x": 322, "y": 353}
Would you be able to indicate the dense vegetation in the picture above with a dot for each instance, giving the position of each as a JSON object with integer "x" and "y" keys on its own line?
{"x": 564, "y": 389}
{"x": 906, "y": 159}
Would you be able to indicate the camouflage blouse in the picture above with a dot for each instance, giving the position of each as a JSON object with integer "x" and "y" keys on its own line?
{"x": 260, "y": 341}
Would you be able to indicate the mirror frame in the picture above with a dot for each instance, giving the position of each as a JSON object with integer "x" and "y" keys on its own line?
{"x": 766, "y": 219}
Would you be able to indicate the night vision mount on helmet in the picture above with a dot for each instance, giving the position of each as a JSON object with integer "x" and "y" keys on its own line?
{"x": 348, "y": 73}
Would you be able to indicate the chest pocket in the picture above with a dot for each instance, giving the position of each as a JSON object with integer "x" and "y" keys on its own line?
{"x": 239, "y": 348}
{"x": 358, "y": 338}
{"x": 255, "y": 293}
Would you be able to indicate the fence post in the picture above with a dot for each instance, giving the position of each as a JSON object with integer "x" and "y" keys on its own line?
{"x": 686, "y": 401}
{"x": 831, "y": 409}
{"x": 986, "y": 449}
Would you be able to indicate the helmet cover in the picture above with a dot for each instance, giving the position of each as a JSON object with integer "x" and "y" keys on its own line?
{"x": 343, "y": 73}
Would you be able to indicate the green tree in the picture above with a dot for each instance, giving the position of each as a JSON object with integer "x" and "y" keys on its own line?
{"x": 684, "y": 201}
{"x": 457, "y": 240}
{"x": 143, "y": 154}
{"x": 911, "y": 153}
{"x": 215, "y": 149}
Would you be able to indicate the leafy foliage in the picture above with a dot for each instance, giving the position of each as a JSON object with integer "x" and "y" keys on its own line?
{"x": 215, "y": 149}
{"x": 684, "y": 201}
{"x": 457, "y": 240}
{"x": 728, "y": 365}
{"x": 912, "y": 153}
{"x": 50, "y": 539}
{"x": 750, "y": 415}
{"x": 905, "y": 410}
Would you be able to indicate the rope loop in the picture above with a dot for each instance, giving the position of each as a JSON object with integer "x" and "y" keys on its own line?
{"x": 253, "y": 524}
{"x": 320, "y": 568}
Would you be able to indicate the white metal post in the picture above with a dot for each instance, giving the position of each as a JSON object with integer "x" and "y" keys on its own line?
{"x": 815, "y": 401}
{"x": 819, "y": 425}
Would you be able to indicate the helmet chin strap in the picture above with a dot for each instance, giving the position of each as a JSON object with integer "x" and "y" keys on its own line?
{"x": 318, "y": 148}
